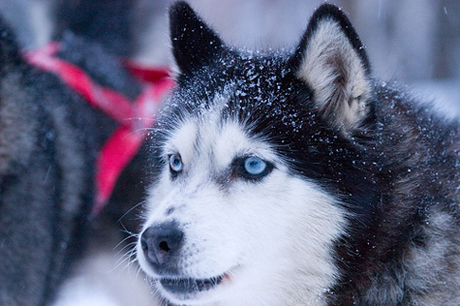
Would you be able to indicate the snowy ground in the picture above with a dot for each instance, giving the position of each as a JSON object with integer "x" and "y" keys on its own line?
{"x": 445, "y": 94}
{"x": 102, "y": 279}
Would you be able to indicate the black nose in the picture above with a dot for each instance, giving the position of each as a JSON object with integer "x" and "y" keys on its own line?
{"x": 161, "y": 245}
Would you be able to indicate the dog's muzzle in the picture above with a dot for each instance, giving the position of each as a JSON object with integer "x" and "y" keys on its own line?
{"x": 161, "y": 245}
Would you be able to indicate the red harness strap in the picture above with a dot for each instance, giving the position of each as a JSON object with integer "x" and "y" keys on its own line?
{"x": 134, "y": 118}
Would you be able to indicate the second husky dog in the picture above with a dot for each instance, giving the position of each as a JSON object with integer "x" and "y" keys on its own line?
{"x": 295, "y": 178}
{"x": 50, "y": 138}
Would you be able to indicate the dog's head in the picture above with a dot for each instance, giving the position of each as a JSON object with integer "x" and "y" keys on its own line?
{"x": 247, "y": 156}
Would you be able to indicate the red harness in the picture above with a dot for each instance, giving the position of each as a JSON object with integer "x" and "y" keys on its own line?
{"x": 134, "y": 118}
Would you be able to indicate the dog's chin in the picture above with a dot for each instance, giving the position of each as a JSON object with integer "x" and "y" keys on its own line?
{"x": 190, "y": 290}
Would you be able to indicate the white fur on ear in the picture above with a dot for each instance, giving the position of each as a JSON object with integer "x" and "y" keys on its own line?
{"x": 337, "y": 75}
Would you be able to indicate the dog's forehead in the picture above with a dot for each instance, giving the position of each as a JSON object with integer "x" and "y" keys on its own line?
{"x": 223, "y": 112}
{"x": 212, "y": 136}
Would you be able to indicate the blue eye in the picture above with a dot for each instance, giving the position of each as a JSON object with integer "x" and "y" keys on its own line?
{"x": 254, "y": 166}
{"x": 175, "y": 163}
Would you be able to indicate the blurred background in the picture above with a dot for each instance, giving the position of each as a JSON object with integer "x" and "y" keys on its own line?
{"x": 416, "y": 42}
{"x": 407, "y": 40}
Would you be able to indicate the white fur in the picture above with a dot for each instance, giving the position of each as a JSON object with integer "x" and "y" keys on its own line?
{"x": 328, "y": 49}
{"x": 273, "y": 238}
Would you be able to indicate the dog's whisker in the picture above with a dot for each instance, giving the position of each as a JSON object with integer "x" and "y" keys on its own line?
{"x": 130, "y": 210}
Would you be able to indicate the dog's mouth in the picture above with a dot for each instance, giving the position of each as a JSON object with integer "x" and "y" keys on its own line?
{"x": 190, "y": 285}
{"x": 182, "y": 289}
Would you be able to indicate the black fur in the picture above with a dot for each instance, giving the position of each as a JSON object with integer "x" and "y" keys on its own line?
{"x": 46, "y": 175}
{"x": 49, "y": 141}
{"x": 396, "y": 172}
{"x": 191, "y": 50}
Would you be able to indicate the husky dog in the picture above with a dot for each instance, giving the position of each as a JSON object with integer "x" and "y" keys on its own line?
{"x": 295, "y": 178}
{"x": 49, "y": 140}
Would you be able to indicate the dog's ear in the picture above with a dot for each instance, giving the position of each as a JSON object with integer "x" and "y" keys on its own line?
{"x": 331, "y": 60}
{"x": 194, "y": 43}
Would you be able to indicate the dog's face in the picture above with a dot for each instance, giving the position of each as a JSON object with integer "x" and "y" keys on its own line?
{"x": 229, "y": 221}
{"x": 236, "y": 214}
